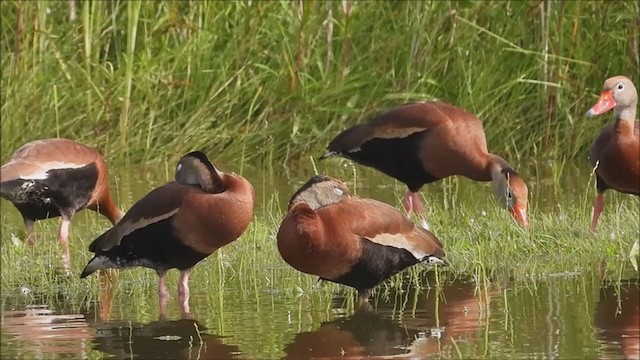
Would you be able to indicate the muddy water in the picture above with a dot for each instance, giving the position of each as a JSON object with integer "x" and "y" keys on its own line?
{"x": 578, "y": 314}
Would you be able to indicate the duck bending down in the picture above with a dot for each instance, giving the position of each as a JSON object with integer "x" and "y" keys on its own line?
{"x": 350, "y": 240}
{"x": 178, "y": 224}
{"x": 615, "y": 154}
{"x": 57, "y": 177}
{"x": 419, "y": 143}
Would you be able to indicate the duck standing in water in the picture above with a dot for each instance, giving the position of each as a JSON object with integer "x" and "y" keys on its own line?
{"x": 419, "y": 143}
{"x": 178, "y": 224}
{"x": 57, "y": 177}
{"x": 349, "y": 240}
{"x": 615, "y": 154}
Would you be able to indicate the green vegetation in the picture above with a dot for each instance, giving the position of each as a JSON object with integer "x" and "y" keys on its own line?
{"x": 481, "y": 240}
{"x": 246, "y": 292}
{"x": 257, "y": 84}
{"x": 274, "y": 81}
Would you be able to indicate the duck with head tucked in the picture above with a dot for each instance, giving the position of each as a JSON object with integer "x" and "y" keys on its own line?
{"x": 178, "y": 224}
{"x": 57, "y": 177}
{"x": 350, "y": 240}
{"x": 615, "y": 154}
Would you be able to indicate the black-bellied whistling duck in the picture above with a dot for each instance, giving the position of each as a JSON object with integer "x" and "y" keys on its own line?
{"x": 419, "y": 143}
{"x": 132, "y": 339}
{"x": 57, "y": 177}
{"x": 616, "y": 152}
{"x": 178, "y": 224}
{"x": 616, "y": 318}
{"x": 348, "y": 240}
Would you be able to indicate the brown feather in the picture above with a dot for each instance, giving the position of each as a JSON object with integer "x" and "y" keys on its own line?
{"x": 203, "y": 221}
{"x": 34, "y": 159}
{"x": 326, "y": 242}
{"x": 39, "y": 156}
{"x": 452, "y": 134}
{"x": 157, "y": 205}
{"x": 375, "y": 220}
{"x": 616, "y": 151}
{"x": 206, "y": 222}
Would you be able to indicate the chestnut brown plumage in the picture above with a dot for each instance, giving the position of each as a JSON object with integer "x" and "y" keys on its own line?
{"x": 615, "y": 154}
{"x": 419, "y": 143}
{"x": 349, "y": 240}
{"x": 57, "y": 177}
{"x": 178, "y": 224}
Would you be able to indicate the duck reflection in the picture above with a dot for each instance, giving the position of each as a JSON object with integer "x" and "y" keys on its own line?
{"x": 42, "y": 331}
{"x": 617, "y": 317}
{"x": 455, "y": 312}
{"x": 185, "y": 338}
{"x": 162, "y": 339}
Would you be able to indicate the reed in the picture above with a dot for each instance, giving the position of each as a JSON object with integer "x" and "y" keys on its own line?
{"x": 274, "y": 81}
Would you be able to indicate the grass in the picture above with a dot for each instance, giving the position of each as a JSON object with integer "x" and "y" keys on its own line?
{"x": 267, "y": 82}
{"x": 248, "y": 283}
{"x": 261, "y": 86}
{"x": 478, "y": 236}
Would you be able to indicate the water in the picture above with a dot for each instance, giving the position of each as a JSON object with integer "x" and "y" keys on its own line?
{"x": 250, "y": 313}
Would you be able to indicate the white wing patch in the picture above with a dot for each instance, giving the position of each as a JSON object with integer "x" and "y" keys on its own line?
{"x": 40, "y": 170}
{"x": 400, "y": 242}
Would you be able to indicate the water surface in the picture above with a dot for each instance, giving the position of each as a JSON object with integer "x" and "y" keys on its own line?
{"x": 250, "y": 313}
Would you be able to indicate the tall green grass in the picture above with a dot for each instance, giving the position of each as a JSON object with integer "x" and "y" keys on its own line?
{"x": 274, "y": 81}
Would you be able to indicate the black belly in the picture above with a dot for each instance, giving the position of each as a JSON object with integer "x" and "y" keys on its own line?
{"x": 395, "y": 157}
{"x": 376, "y": 264}
{"x": 64, "y": 191}
{"x": 154, "y": 246}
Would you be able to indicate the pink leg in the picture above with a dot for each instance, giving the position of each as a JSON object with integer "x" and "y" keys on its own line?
{"x": 598, "y": 206}
{"x": 64, "y": 241}
{"x": 163, "y": 293}
{"x": 411, "y": 202}
{"x": 183, "y": 291}
{"x": 31, "y": 238}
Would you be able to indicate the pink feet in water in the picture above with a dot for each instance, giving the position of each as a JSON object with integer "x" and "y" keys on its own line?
{"x": 183, "y": 293}
{"x": 411, "y": 203}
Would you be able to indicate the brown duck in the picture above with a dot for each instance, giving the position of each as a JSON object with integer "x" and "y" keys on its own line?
{"x": 349, "y": 240}
{"x": 419, "y": 143}
{"x": 615, "y": 154}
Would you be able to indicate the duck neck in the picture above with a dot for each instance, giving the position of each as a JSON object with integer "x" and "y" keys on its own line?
{"x": 496, "y": 167}
{"x": 627, "y": 113}
{"x": 110, "y": 210}
{"x": 213, "y": 183}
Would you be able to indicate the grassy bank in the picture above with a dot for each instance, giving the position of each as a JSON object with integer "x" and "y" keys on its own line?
{"x": 274, "y": 81}
{"x": 481, "y": 241}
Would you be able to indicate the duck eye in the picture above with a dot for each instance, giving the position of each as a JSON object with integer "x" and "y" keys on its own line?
{"x": 620, "y": 86}
{"x": 338, "y": 191}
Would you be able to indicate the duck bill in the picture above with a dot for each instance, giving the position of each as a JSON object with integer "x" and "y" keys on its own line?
{"x": 603, "y": 105}
{"x": 520, "y": 214}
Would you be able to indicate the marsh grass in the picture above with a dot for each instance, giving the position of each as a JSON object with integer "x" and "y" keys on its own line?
{"x": 268, "y": 82}
{"x": 480, "y": 240}
{"x": 247, "y": 292}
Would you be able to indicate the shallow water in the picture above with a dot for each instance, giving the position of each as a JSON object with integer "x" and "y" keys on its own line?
{"x": 579, "y": 313}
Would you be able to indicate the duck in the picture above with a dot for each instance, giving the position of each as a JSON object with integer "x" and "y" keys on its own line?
{"x": 178, "y": 224}
{"x": 57, "y": 177}
{"x": 615, "y": 154}
{"x": 423, "y": 142}
{"x": 357, "y": 242}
